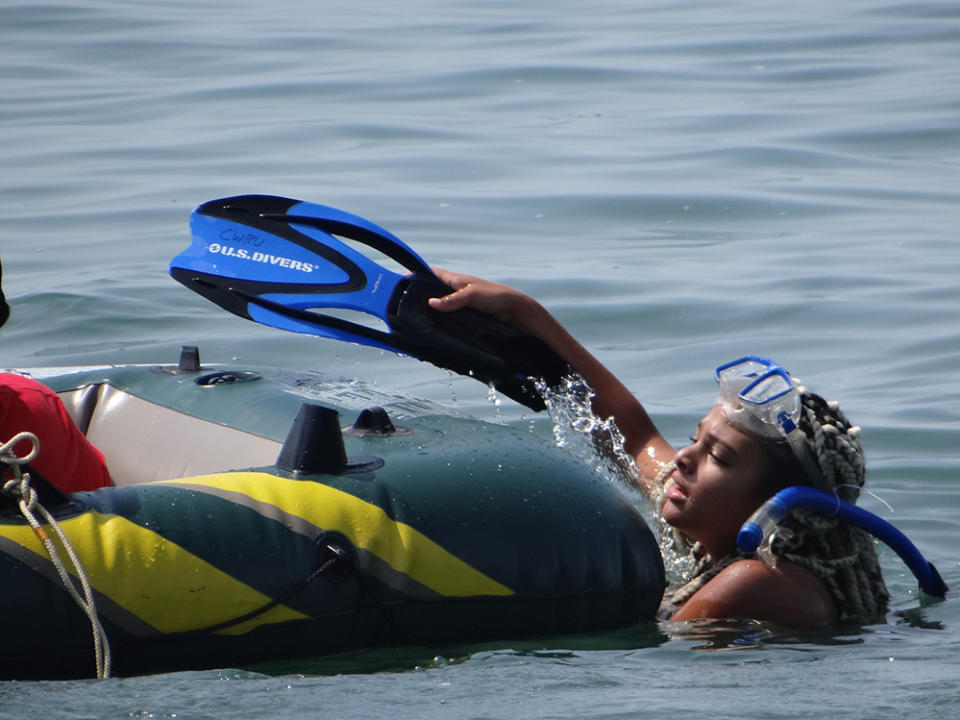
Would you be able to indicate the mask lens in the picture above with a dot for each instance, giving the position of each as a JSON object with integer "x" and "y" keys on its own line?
{"x": 766, "y": 388}
{"x": 773, "y": 398}
{"x": 763, "y": 389}
{"x": 735, "y": 376}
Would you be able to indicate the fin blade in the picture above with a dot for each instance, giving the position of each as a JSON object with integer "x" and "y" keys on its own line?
{"x": 277, "y": 261}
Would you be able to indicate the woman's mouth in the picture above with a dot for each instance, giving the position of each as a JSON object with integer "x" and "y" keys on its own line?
{"x": 674, "y": 492}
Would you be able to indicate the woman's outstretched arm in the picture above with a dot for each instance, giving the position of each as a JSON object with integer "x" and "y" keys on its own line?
{"x": 612, "y": 399}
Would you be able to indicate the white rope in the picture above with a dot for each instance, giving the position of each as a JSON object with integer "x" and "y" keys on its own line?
{"x": 19, "y": 488}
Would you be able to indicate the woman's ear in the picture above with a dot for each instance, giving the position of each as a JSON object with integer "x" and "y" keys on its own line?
{"x": 780, "y": 469}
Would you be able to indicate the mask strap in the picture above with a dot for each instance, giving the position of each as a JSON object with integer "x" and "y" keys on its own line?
{"x": 801, "y": 450}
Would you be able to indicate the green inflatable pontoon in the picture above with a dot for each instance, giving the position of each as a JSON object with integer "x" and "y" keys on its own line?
{"x": 261, "y": 514}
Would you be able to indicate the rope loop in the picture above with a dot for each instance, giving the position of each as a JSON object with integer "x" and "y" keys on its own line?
{"x": 18, "y": 488}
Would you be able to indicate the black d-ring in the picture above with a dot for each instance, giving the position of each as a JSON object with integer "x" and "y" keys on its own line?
{"x": 336, "y": 558}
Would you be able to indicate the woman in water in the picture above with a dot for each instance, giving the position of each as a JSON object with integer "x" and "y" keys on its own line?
{"x": 746, "y": 449}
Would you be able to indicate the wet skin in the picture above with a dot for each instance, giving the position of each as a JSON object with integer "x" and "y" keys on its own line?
{"x": 714, "y": 488}
{"x": 713, "y": 491}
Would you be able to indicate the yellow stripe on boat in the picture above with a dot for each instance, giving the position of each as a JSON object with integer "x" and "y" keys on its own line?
{"x": 366, "y": 525}
{"x": 155, "y": 579}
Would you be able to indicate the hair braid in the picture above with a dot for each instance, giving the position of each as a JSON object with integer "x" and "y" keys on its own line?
{"x": 841, "y": 555}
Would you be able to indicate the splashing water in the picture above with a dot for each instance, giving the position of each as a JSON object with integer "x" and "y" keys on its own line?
{"x": 600, "y": 443}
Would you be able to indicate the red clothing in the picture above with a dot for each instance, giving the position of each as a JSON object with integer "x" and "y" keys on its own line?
{"x": 67, "y": 459}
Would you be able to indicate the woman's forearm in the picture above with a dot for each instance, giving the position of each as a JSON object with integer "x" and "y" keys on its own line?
{"x": 612, "y": 398}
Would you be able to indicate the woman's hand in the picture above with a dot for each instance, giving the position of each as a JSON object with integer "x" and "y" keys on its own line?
{"x": 527, "y": 315}
{"x": 501, "y": 301}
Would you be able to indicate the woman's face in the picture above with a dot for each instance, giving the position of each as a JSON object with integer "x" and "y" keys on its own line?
{"x": 715, "y": 485}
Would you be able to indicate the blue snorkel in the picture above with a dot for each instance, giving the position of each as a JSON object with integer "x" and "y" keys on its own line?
{"x": 756, "y": 531}
{"x": 760, "y": 397}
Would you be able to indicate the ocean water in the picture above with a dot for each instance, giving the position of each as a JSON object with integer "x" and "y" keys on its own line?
{"x": 680, "y": 182}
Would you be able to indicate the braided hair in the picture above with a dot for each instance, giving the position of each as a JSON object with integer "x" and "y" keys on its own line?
{"x": 844, "y": 557}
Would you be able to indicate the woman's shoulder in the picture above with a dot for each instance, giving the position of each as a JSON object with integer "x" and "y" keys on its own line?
{"x": 787, "y": 594}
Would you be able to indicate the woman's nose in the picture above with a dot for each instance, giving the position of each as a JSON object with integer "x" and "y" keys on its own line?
{"x": 684, "y": 459}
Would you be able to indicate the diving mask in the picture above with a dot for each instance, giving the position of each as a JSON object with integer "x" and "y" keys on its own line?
{"x": 759, "y": 396}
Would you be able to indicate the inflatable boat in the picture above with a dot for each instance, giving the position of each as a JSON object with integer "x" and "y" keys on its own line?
{"x": 262, "y": 514}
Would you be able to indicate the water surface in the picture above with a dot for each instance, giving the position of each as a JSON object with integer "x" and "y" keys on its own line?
{"x": 682, "y": 183}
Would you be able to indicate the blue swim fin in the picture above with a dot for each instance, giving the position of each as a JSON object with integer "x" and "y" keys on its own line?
{"x": 277, "y": 261}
